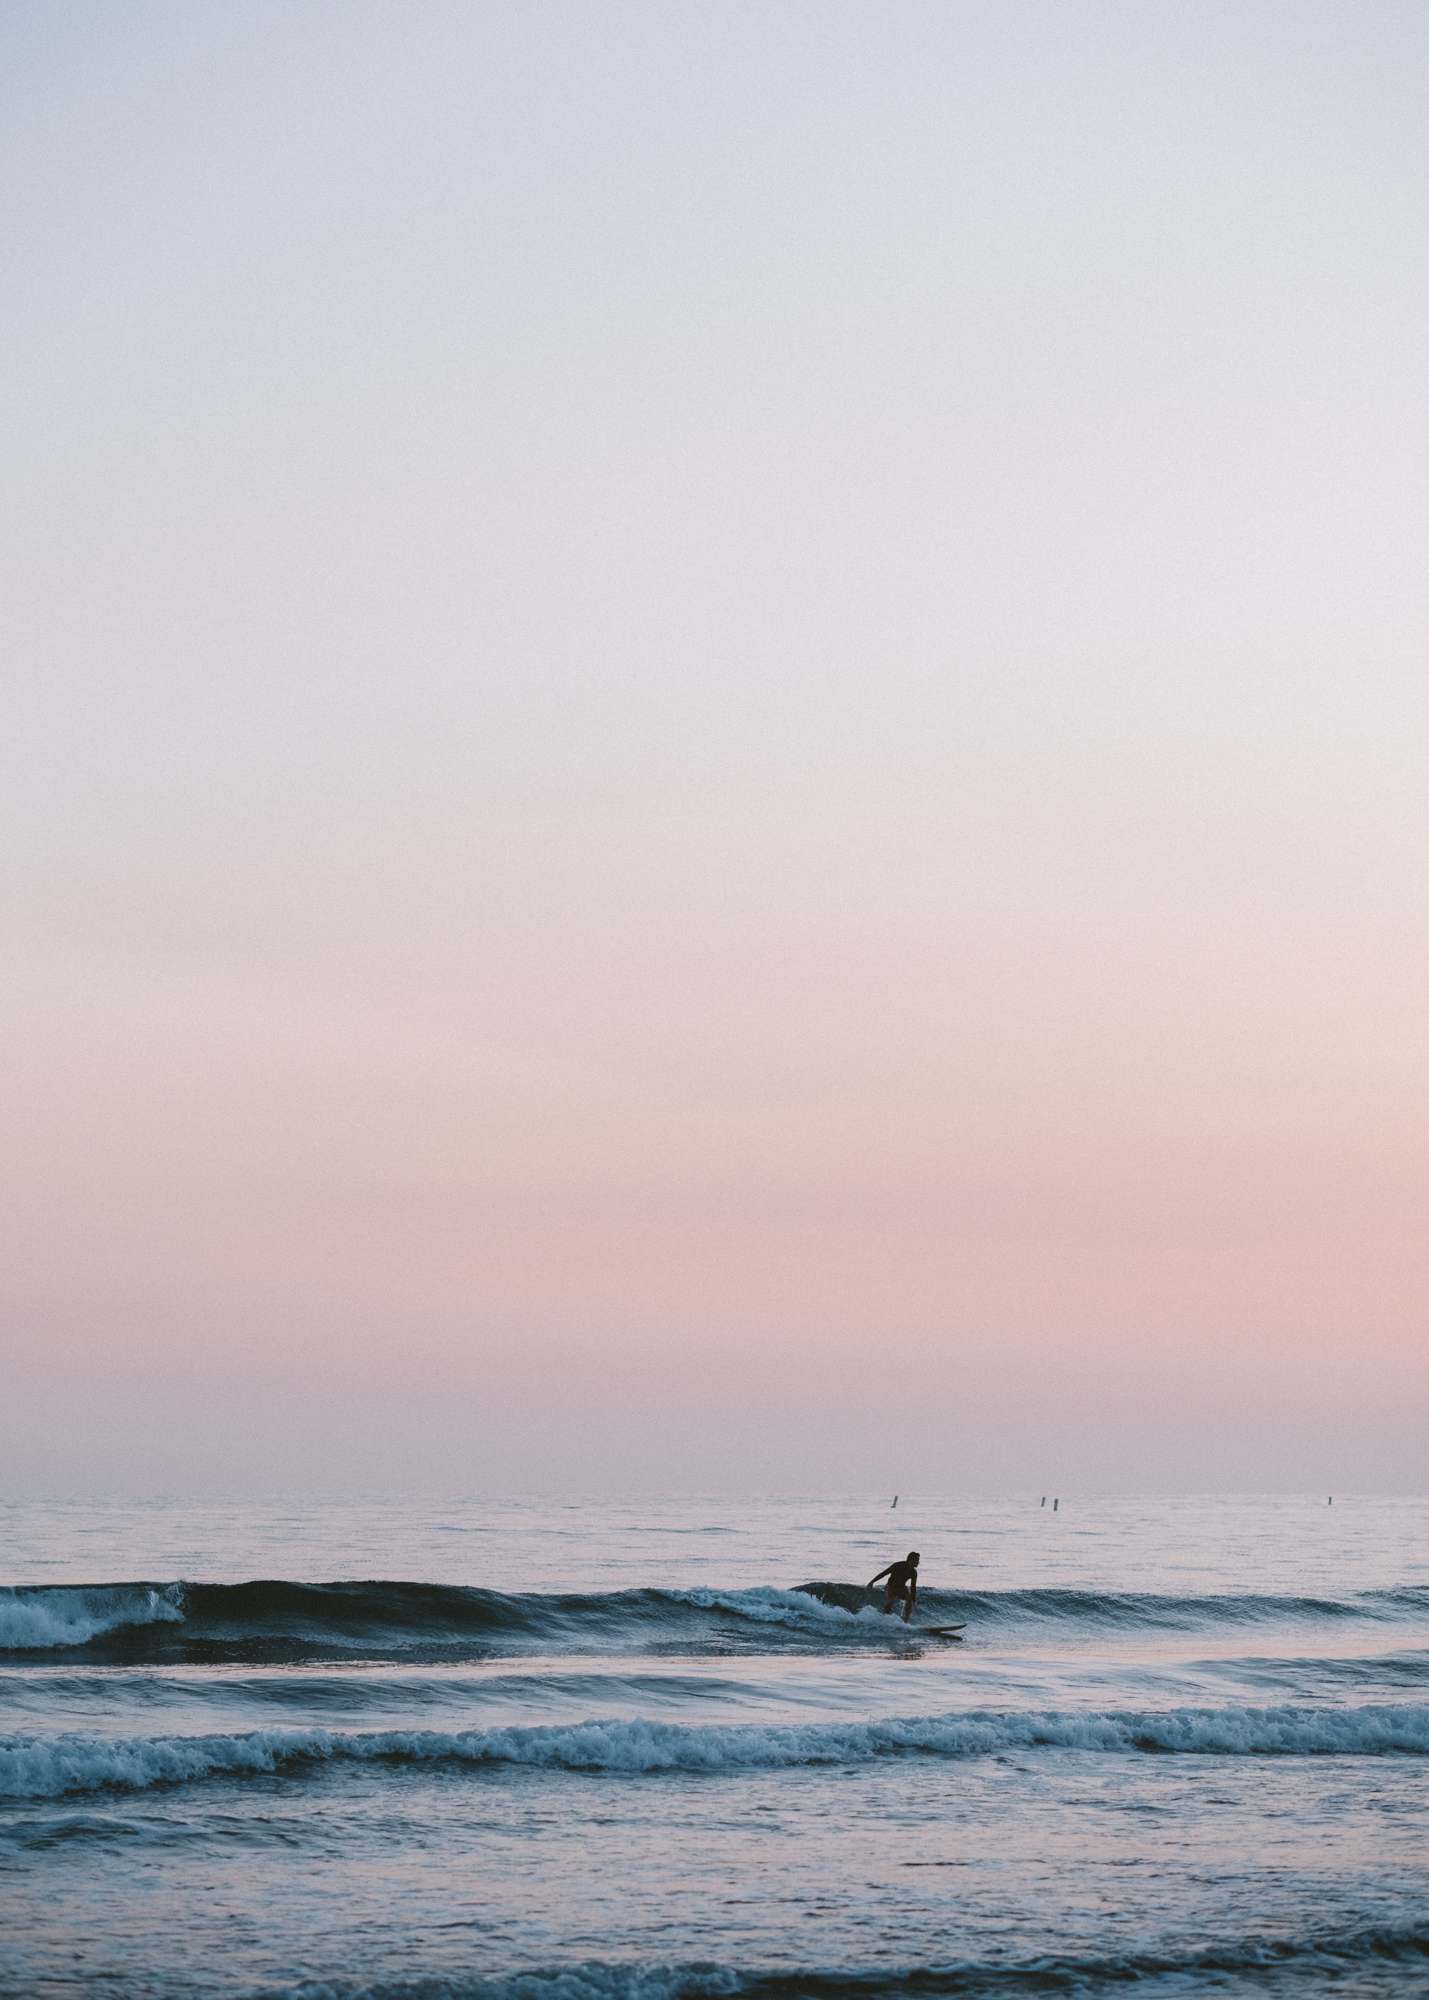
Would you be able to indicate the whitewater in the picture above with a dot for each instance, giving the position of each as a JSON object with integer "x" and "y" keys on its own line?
{"x": 521, "y": 1750}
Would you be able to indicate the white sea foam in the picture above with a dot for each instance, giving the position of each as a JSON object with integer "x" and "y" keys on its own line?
{"x": 49, "y": 1767}
{"x": 36, "y": 1620}
{"x": 767, "y": 1604}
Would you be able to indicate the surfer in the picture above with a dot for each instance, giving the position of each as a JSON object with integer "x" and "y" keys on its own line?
{"x": 902, "y": 1584}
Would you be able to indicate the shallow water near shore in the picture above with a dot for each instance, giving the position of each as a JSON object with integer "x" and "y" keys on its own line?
{"x": 664, "y": 1747}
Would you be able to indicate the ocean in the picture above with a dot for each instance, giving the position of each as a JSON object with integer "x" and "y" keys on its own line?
{"x": 584, "y": 1750}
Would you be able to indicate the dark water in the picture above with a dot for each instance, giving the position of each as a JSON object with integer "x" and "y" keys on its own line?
{"x": 590, "y": 1750}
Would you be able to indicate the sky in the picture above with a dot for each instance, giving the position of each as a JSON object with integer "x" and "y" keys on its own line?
{"x": 714, "y": 736}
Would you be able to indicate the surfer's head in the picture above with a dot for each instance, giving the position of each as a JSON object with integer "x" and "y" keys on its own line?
{"x": 913, "y": 1557}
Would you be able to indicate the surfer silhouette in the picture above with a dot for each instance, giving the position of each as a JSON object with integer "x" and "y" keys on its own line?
{"x": 902, "y": 1584}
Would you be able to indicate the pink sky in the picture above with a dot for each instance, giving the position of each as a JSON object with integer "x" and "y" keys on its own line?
{"x": 716, "y": 758}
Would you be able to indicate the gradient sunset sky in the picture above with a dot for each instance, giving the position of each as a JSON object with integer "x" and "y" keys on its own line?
{"x": 716, "y": 736}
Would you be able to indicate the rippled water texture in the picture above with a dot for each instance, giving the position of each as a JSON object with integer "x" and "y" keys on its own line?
{"x": 584, "y": 1750}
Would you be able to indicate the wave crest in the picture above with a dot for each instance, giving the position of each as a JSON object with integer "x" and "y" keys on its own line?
{"x": 275, "y": 1619}
{"x": 50, "y": 1767}
{"x": 49, "y": 1618}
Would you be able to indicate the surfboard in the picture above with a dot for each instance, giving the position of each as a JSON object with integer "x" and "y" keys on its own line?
{"x": 940, "y": 1631}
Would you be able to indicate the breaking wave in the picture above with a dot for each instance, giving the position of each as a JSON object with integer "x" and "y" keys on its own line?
{"x": 274, "y": 1620}
{"x": 50, "y": 1767}
{"x": 1126, "y": 1609}
{"x": 51, "y": 1618}
{"x": 1333, "y": 1954}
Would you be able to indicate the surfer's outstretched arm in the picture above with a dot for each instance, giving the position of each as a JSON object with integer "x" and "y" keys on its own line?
{"x": 879, "y": 1578}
